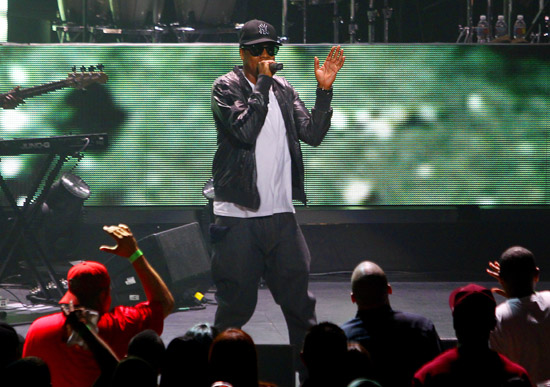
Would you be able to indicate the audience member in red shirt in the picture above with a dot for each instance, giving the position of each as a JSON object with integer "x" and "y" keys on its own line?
{"x": 49, "y": 337}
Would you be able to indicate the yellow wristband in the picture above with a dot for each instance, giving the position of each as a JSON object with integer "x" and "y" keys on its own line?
{"x": 135, "y": 256}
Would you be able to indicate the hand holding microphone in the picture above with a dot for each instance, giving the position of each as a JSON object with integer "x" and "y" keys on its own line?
{"x": 274, "y": 67}
{"x": 269, "y": 67}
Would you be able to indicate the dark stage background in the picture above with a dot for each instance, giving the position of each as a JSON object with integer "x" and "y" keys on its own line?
{"x": 412, "y": 21}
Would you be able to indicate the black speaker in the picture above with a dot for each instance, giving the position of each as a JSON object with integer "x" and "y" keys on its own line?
{"x": 180, "y": 257}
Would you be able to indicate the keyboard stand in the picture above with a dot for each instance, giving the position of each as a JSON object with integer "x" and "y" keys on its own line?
{"x": 33, "y": 252}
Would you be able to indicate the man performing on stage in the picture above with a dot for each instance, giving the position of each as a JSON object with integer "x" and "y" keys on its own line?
{"x": 258, "y": 170}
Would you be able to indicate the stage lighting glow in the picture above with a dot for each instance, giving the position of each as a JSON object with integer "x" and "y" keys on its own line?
{"x": 3, "y": 27}
{"x": 381, "y": 129}
{"x": 486, "y": 202}
{"x": 3, "y": 20}
{"x": 10, "y": 166}
{"x": 428, "y": 113}
{"x": 18, "y": 76}
{"x": 424, "y": 171}
{"x": 357, "y": 191}
{"x": 362, "y": 116}
{"x": 339, "y": 120}
{"x": 13, "y": 120}
{"x": 396, "y": 114}
{"x": 476, "y": 103}
{"x": 526, "y": 149}
{"x": 21, "y": 201}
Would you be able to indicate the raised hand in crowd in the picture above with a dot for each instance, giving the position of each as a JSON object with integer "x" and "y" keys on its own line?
{"x": 494, "y": 271}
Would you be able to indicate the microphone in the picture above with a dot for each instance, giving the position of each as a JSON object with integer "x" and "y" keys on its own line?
{"x": 274, "y": 67}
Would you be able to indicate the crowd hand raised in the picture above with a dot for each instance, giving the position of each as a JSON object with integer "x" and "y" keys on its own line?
{"x": 494, "y": 271}
{"x": 126, "y": 243}
{"x": 326, "y": 74}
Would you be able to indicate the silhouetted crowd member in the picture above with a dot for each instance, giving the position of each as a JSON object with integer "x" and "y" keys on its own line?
{"x": 233, "y": 359}
{"x": 134, "y": 371}
{"x": 398, "y": 342}
{"x": 29, "y": 371}
{"x": 148, "y": 346}
{"x": 358, "y": 363}
{"x": 10, "y": 345}
{"x": 187, "y": 358}
{"x": 522, "y": 331}
{"x": 472, "y": 363}
{"x": 324, "y": 355}
{"x": 51, "y": 338}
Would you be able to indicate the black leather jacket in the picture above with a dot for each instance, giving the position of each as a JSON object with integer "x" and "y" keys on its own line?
{"x": 239, "y": 113}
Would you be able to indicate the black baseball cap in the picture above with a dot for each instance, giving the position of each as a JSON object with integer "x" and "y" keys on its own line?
{"x": 258, "y": 31}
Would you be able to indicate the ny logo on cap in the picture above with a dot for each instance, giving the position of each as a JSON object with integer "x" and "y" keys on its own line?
{"x": 262, "y": 29}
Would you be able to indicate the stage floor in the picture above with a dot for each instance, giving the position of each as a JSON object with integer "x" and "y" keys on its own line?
{"x": 267, "y": 325}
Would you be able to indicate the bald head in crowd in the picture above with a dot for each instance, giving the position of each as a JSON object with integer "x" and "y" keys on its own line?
{"x": 369, "y": 286}
{"x": 391, "y": 337}
{"x": 518, "y": 272}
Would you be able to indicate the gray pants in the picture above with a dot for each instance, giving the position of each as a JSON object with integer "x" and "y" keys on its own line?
{"x": 272, "y": 247}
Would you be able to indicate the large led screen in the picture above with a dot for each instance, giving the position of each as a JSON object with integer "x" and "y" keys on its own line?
{"x": 412, "y": 124}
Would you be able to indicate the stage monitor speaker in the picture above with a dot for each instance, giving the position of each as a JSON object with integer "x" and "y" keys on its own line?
{"x": 180, "y": 257}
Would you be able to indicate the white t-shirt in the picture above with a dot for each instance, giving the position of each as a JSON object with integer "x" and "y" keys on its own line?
{"x": 522, "y": 333}
{"x": 273, "y": 167}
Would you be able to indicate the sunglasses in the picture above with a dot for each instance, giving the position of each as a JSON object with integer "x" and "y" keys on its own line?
{"x": 257, "y": 49}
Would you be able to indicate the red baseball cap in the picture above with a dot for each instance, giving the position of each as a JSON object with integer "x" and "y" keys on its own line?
{"x": 472, "y": 293}
{"x": 86, "y": 278}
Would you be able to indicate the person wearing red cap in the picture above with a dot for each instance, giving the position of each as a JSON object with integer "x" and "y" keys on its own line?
{"x": 472, "y": 362}
{"x": 51, "y": 338}
{"x": 257, "y": 171}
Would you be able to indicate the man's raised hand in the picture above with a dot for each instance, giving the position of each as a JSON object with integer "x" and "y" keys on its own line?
{"x": 494, "y": 271}
{"x": 326, "y": 74}
{"x": 126, "y": 243}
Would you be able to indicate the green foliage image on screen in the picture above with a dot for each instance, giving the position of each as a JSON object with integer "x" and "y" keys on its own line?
{"x": 412, "y": 124}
